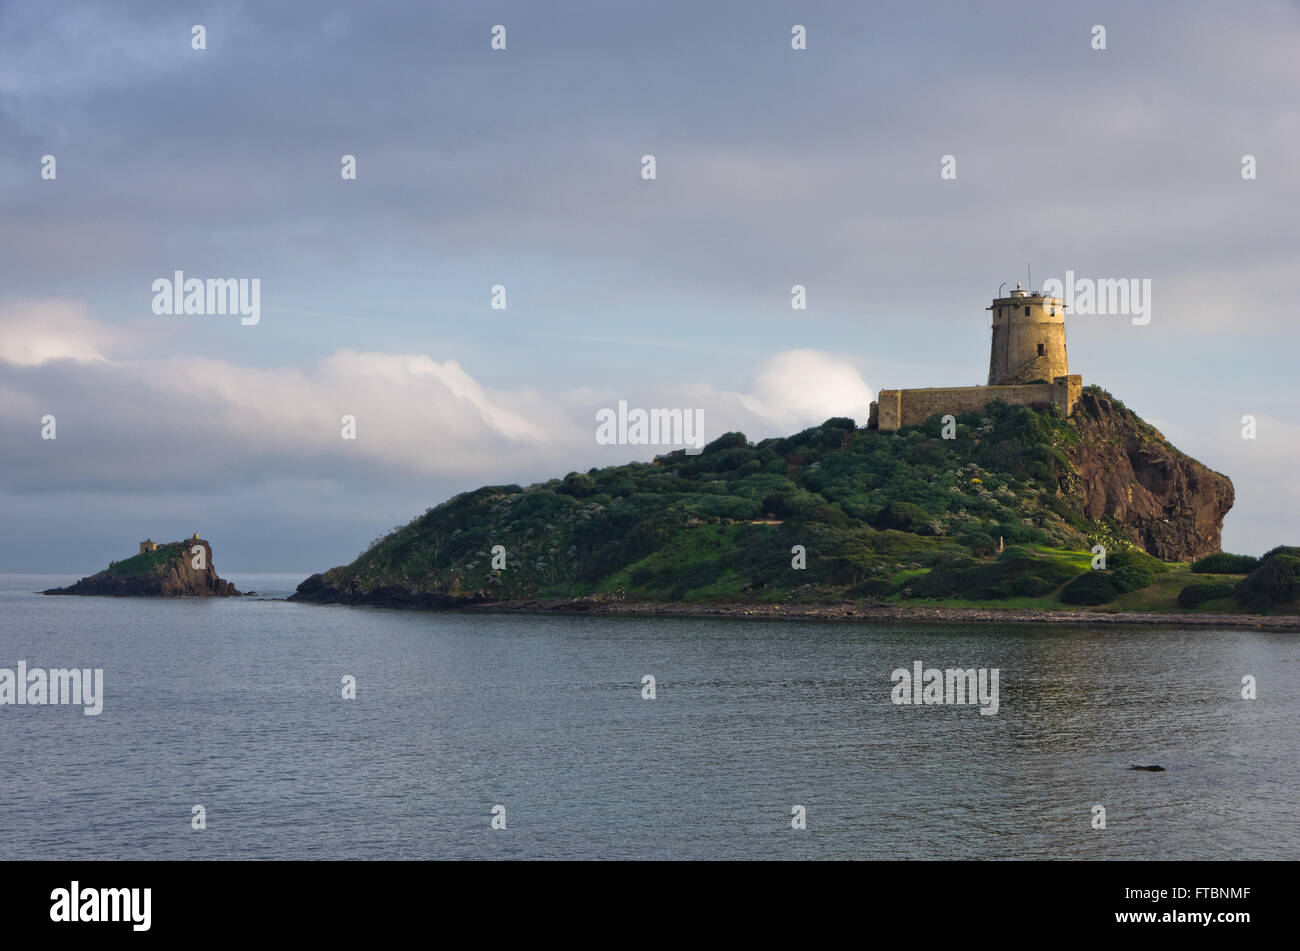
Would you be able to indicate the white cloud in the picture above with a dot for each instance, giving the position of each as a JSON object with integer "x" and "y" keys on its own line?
{"x": 127, "y": 424}
{"x": 36, "y": 332}
{"x": 801, "y": 388}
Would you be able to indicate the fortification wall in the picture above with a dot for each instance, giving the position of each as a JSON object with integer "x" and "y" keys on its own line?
{"x": 895, "y": 408}
{"x": 1068, "y": 389}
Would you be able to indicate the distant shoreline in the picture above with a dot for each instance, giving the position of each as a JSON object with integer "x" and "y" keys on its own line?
{"x": 838, "y": 611}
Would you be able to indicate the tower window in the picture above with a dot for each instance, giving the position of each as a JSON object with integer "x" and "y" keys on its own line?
{"x": 1042, "y": 349}
{"x": 1026, "y": 311}
{"x": 1053, "y": 310}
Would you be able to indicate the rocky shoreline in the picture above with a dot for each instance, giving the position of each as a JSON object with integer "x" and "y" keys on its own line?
{"x": 844, "y": 610}
{"x": 887, "y": 612}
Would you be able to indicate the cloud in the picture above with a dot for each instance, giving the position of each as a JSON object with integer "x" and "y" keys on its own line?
{"x": 802, "y": 387}
{"x": 129, "y": 424}
{"x": 37, "y": 332}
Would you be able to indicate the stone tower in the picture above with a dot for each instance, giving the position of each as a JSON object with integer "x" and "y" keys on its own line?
{"x": 1028, "y": 339}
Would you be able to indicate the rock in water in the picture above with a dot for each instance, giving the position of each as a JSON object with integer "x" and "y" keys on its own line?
{"x": 169, "y": 571}
{"x": 1149, "y": 769}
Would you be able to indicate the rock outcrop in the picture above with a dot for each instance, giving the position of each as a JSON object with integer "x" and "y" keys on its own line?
{"x": 1166, "y": 502}
{"x": 323, "y": 589}
{"x": 168, "y": 572}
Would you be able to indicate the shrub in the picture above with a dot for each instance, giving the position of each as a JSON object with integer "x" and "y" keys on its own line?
{"x": 732, "y": 459}
{"x": 1135, "y": 556}
{"x": 578, "y": 485}
{"x": 1057, "y": 572}
{"x": 1197, "y": 594}
{"x": 1222, "y": 563}
{"x": 859, "y": 507}
{"x": 827, "y": 515}
{"x": 903, "y": 516}
{"x": 975, "y": 580}
{"x": 1091, "y": 587}
{"x": 1033, "y": 586}
{"x": 727, "y": 441}
{"x": 620, "y": 489}
{"x": 725, "y": 506}
{"x": 926, "y": 454}
{"x": 871, "y": 588}
{"x": 1132, "y": 578}
{"x": 1275, "y": 581}
{"x": 946, "y": 581}
{"x": 980, "y": 543}
{"x": 1016, "y": 533}
{"x": 778, "y": 505}
{"x": 1281, "y": 550}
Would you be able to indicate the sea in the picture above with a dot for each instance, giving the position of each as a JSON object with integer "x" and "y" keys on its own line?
{"x": 257, "y": 728}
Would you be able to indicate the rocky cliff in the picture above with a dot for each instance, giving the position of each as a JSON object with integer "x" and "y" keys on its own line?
{"x": 1127, "y": 472}
{"x": 174, "y": 570}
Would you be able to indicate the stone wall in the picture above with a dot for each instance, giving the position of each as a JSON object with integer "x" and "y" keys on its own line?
{"x": 895, "y": 408}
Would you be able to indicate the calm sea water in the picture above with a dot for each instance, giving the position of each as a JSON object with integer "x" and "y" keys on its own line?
{"x": 235, "y": 704}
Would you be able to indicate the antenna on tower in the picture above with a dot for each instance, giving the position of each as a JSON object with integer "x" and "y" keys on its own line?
{"x": 1030, "y": 275}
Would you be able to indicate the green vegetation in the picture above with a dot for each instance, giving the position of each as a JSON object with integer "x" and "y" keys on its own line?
{"x": 1161, "y": 595}
{"x": 1094, "y": 587}
{"x": 1275, "y": 582}
{"x": 870, "y": 509}
{"x": 1194, "y": 595}
{"x": 1221, "y": 563}
{"x": 968, "y": 579}
{"x": 908, "y": 516}
{"x": 146, "y": 563}
{"x": 1131, "y": 570}
{"x": 1135, "y": 558}
{"x": 1131, "y": 578}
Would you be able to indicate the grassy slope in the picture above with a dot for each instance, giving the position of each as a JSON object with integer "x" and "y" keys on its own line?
{"x": 145, "y": 563}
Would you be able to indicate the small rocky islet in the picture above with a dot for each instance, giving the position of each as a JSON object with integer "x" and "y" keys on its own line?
{"x": 181, "y": 569}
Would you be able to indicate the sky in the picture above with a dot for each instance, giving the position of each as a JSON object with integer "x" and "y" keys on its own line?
{"x": 523, "y": 168}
